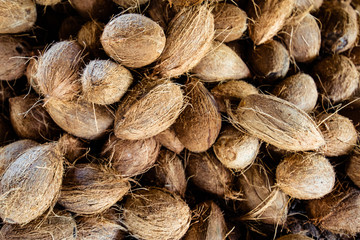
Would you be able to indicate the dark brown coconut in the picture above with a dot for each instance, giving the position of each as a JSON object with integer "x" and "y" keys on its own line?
{"x": 94, "y": 9}
{"x": 155, "y": 213}
{"x": 133, "y": 40}
{"x": 13, "y": 53}
{"x": 132, "y": 4}
{"x": 168, "y": 139}
{"x": 161, "y": 12}
{"x": 73, "y": 148}
{"x": 89, "y": 37}
{"x": 336, "y": 77}
{"x": 47, "y": 2}
{"x": 149, "y": 108}
{"x": 305, "y": 176}
{"x": 131, "y": 157}
{"x": 31, "y": 184}
{"x": 294, "y": 237}
{"x": 353, "y": 167}
{"x": 91, "y": 189}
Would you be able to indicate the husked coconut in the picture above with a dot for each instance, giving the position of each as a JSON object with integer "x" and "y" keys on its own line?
{"x": 168, "y": 139}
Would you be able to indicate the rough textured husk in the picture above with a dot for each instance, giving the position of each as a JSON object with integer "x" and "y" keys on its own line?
{"x": 294, "y": 237}
{"x": 339, "y": 133}
{"x": 168, "y": 139}
{"x": 47, "y": 2}
{"x": 336, "y": 77}
{"x": 208, "y": 223}
{"x": 161, "y": 12}
{"x": 58, "y": 70}
{"x": 148, "y": 109}
{"x": 230, "y": 22}
{"x": 208, "y": 174}
{"x": 278, "y": 122}
{"x": 219, "y": 64}
{"x": 184, "y": 3}
{"x": 156, "y": 214}
{"x": 72, "y": 147}
{"x": 353, "y": 167}
{"x": 133, "y": 40}
{"x": 80, "y": 118}
{"x": 303, "y": 39}
{"x": 199, "y": 124}
{"x": 94, "y": 9}
{"x": 235, "y": 149}
{"x": 89, "y": 37}
{"x": 130, "y": 3}
{"x": 30, "y": 74}
{"x": 31, "y": 184}
{"x": 13, "y": 53}
{"x": 263, "y": 201}
{"x": 17, "y": 15}
{"x": 299, "y": 89}
{"x": 305, "y": 176}
{"x": 267, "y": 18}
{"x": 131, "y": 157}
{"x": 91, "y": 189}
{"x": 338, "y": 212}
{"x": 189, "y": 38}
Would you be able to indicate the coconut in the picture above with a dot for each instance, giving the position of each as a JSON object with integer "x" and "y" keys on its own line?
{"x": 150, "y": 107}
{"x": 230, "y": 22}
{"x": 294, "y": 237}
{"x": 94, "y": 9}
{"x": 133, "y": 40}
{"x": 262, "y": 200}
{"x": 72, "y": 147}
{"x": 47, "y": 2}
{"x": 303, "y": 38}
{"x": 208, "y": 223}
{"x": 91, "y": 188}
{"x": 89, "y": 37}
{"x": 30, "y": 74}
{"x": 220, "y": 64}
{"x": 235, "y": 149}
{"x": 70, "y": 27}
{"x": 270, "y": 60}
{"x": 189, "y": 38}
{"x": 338, "y": 212}
{"x": 13, "y": 52}
{"x": 161, "y": 12}
{"x": 134, "y": 4}
{"x": 131, "y": 157}
{"x": 299, "y": 89}
{"x": 339, "y": 26}
{"x": 155, "y": 213}
{"x": 105, "y": 82}
{"x": 339, "y": 133}
{"x": 354, "y": 55}
{"x": 337, "y": 77}
{"x": 168, "y": 139}
{"x": 305, "y": 176}
{"x": 6, "y": 92}
{"x": 31, "y": 184}
{"x": 352, "y": 169}
{"x": 267, "y": 18}
{"x": 308, "y": 5}
{"x": 277, "y": 122}
{"x": 17, "y": 16}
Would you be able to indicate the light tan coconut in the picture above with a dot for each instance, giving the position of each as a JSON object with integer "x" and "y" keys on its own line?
{"x": 47, "y": 2}
{"x": 89, "y": 37}
{"x": 73, "y": 148}
{"x": 353, "y": 167}
{"x": 168, "y": 139}
{"x": 94, "y": 9}
{"x": 133, "y": 4}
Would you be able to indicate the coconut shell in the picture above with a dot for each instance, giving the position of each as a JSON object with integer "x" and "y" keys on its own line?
{"x": 336, "y": 77}
{"x": 13, "y": 53}
{"x": 73, "y": 148}
{"x": 208, "y": 223}
{"x": 262, "y": 200}
{"x": 199, "y": 124}
{"x": 230, "y": 22}
{"x": 168, "y": 139}
{"x": 30, "y": 74}
{"x": 352, "y": 169}
{"x": 94, "y": 9}
{"x": 17, "y": 16}
{"x": 278, "y": 122}
{"x": 267, "y": 18}
{"x": 89, "y": 37}
{"x": 91, "y": 189}
{"x": 299, "y": 89}
{"x": 105, "y": 82}
{"x": 149, "y": 108}
{"x": 133, "y": 4}
{"x": 220, "y": 64}
{"x": 80, "y": 118}
{"x": 161, "y": 12}
{"x": 47, "y": 2}
{"x": 294, "y": 237}
{"x": 155, "y": 213}
{"x": 133, "y": 40}
{"x": 305, "y": 176}
{"x": 339, "y": 133}
{"x": 31, "y": 184}
{"x": 189, "y": 38}
{"x": 131, "y": 157}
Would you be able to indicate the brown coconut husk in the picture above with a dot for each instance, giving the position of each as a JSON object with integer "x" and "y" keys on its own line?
{"x": 161, "y": 12}
{"x": 130, "y": 4}
{"x": 133, "y": 40}
{"x": 31, "y": 184}
{"x": 184, "y": 3}
{"x": 299, "y": 89}
{"x": 168, "y": 139}
{"x": 199, "y": 124}
{"x": 91, "y": 189}
{"x": 73, "y": 148}
{"x": 13, "y": 53}
{"x": 208, "y": 223}
{"x": 294, "y": 237}
{"x": 94, "y": 9}
{"x": 47, "y": 2}
{"x": 131, "y": 157}
{"x": 156, "y": 213}
{"x": 17, "y": 16}
{"x": 30, "y": 74}
{"x": 220, "y": 64}
{"x": 89, "y": 37}
{"x": 105, "y": 82}
{"x": 353, "y": 167}
{"x": 149, "y": 108}
{"x": 336, "y": 77}
{"x": 339, "y": 133}
{"x": 354, "y": 55}
{"x": 189, "y": 38}
{"x": 305, "y": 176}
{"x": 308, "y": 5}
{"x": 277, "y": 122}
